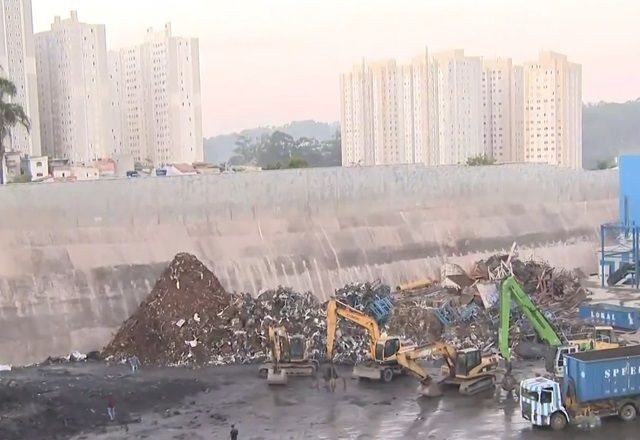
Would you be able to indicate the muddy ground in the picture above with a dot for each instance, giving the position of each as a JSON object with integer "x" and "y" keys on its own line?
{"x": 69, "y": 402}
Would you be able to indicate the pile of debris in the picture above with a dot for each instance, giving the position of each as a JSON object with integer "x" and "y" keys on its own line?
{"x": 187, "y": 316}
{"x": 189, "y": 319}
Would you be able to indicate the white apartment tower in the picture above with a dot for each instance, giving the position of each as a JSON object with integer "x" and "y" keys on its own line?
{"x": 460, "y": 111}
{"x": 420, "y": 110}
{"x": 444, "y": 109}
{"x": 553, "y": 111}
{"x": 502, "y": 105}
{"x": 355, "y": 108}
{"x": 161, "y": 98}
{"x": 386, "y": 113}
{"x": 128, "y": 83}
{"x": 18, "y": 64}
{"x": 73, "y": 90}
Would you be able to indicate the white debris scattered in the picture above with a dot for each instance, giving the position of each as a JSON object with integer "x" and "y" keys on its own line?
{"x": 180, "y": 322}
{"x": 76, "y": 356}
{"x": 193, "y": 343}
{"x": 196, "y": 317}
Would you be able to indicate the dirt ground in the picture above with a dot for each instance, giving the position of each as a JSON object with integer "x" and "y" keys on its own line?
{"x": 69, "y": 402}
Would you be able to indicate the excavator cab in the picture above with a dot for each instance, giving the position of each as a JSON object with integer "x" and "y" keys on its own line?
{"x": 605, "y": 334}
{"x": 386, "y": 349}
{"x": 467, "y": 360}
{"x": 297, "y": 348}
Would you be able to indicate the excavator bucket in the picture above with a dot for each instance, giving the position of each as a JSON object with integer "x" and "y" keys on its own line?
{"x": 509, "y": 382}
{"x": 276, "y": 377}
{"x": 430, "y": 388}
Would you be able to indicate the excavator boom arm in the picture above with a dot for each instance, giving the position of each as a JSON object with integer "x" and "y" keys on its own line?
{"x": 543, "y": 328}
{"x": 408, "y": 358}
{"x": 335, "y": 309}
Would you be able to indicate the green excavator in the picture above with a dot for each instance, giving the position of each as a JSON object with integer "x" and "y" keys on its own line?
{"x": 601, "y": 336}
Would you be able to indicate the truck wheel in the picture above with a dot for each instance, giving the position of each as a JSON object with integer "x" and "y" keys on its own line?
{"x": 628, "y": 412}
{"x": 387, "y": 375}
{"x": 558, "y": 421}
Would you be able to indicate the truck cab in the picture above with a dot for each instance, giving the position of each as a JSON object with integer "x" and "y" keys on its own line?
{"x": 541, "y": 403}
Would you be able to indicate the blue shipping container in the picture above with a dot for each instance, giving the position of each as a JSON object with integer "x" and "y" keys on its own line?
{"x": 603, "y": 374}
{"x": 627, "y": 318}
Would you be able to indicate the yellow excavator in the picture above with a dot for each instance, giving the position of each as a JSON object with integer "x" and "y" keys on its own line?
{"x": 289, "y": 357}
{"x": 390, "y": 356}
{"x": 382, "y": 364}
{"x": 467, "y": 369}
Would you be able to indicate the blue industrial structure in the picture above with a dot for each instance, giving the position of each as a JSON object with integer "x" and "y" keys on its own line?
{"x": 620, "y": 242}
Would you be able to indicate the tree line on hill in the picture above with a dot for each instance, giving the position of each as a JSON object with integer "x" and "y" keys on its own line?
{"x": 280, "y": 150}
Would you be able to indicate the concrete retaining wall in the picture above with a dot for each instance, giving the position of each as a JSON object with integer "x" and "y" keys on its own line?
{"x": 77, "y": 258}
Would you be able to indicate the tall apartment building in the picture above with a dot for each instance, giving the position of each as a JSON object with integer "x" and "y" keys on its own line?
{"x": 386, "y": 112}
{"x": 73, "y": 90}
{"x": 553, "y": 111}
{"x": 356, "y": 130}
{"x": 115, "y": 131}
{"x": 18, "y": 64}
{"x": 502, "y": 109}
{"x": 161, "y": 98}
{"x": 460, "y": 111}
{"x": 130, "y": 89}
{"x": 420, "y": 110}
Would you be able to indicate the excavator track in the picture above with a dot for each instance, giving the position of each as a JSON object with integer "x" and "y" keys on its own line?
{"x": 475, "y": 386}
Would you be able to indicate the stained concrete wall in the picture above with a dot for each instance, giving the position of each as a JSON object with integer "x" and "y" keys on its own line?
{"x": 77, "y": 258}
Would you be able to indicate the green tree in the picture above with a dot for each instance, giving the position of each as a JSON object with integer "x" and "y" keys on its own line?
{"x": 277, "y": 147}
{"x": 11, "y": 114}
{"x": 246, "y": 151}
{"x": 605, "y": 164}
{"x": 479, "y": 160}
{"x": 297, "y": 162}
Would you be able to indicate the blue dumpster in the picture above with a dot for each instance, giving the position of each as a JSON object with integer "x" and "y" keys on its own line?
{"x": 627, "y": 318}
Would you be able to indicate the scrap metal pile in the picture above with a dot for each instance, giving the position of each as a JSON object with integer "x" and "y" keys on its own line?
{"x": 189, "y": 319}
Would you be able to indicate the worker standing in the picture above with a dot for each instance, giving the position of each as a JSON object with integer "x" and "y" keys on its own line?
{"x": 111, "y": 408}
{"x": 234, "y": 432}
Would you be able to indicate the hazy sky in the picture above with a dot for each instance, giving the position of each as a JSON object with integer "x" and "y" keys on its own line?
{"x": 273, "y": 61}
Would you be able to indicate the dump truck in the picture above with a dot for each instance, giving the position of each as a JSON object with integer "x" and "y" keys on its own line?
{"x": 596, "y": 383}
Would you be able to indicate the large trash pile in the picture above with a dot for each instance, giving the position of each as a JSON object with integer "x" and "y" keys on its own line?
{"x": 189, "y": 319}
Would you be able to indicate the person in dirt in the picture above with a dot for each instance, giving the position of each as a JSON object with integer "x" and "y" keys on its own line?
{"x": 234, "y": 432}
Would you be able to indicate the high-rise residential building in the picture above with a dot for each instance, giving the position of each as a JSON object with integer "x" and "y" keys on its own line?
{"x": 128, "y": 83}
{"x": 446, "y": 108}
{"x": 386, "y": 112}
{"x": 74, "y": 90}
{"x": 553, "y": 111}
{"x": 116, "y": 104}
{"x": 18, "y": 64}
{"x": 161, "y": 98}
{"x": 460, "y": 111}
{"x": 517, "y": 117}
{"x": 502, "y": 109}
{"x": 419, "y": 110}
{"x": 355, "y": 108}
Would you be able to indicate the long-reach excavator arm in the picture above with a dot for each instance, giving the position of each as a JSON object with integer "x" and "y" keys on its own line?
{"x": 336, "y": 308}
{"x": 543, "y": 328}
